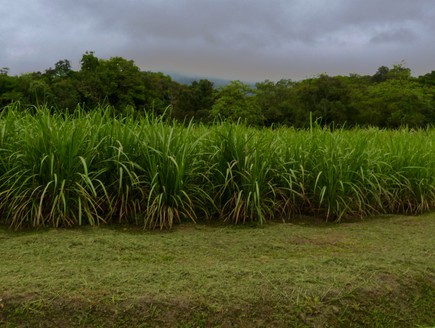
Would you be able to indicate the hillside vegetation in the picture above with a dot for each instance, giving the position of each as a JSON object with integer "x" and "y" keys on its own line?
{"x": 390, "y": 98}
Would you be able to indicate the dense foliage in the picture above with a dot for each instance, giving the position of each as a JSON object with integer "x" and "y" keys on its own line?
{"x": 60, "y": 169}
{"x": 389, "y": 98}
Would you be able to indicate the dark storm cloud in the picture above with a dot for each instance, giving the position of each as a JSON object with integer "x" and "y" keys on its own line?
{"x": 236, "y": 39}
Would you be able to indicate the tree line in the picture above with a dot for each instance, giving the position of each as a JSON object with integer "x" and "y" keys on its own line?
{"x": 389, "y": 98}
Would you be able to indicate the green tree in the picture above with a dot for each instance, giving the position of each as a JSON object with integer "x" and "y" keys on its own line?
{"x": 39, "y": 90}
{"x": 159, "y": 91}
{"x": 116, "y": 81}
{"x": 90, "y": 84}
{"x": 399, "y": 72}
{"x": 61, "y": 69}
{"x": 396, "y": 102}
{"x": 8, "y": 88}
{"x": 89, "y": 62}
{"x": 327, "y": 97}
{"x": 381, "y": 74}
{"x": 279, "y": 103}
{"x": 427, "y": 79}
{"x": 123, "y": 83}
{"x": 65, "y": 94}
{"x": 195, "y": 101}
{"x": 236, "y": 101}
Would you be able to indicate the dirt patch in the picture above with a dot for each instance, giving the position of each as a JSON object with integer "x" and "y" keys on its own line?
{"x": 140, "y": 313}
{"x": 409, "y": 303}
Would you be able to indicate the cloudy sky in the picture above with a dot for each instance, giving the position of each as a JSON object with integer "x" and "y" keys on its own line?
{"x": 250, "y": 40}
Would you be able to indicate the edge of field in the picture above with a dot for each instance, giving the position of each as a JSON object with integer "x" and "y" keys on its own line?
{"x": 377, "y": 272}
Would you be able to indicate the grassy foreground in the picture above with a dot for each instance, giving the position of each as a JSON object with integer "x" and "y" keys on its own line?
{"x": 379, "y": 272}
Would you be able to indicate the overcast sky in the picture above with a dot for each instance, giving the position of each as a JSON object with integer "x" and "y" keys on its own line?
{"x": 250, "y": 40}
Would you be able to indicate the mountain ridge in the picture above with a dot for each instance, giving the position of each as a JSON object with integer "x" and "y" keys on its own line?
{"x": 188, "y": 79}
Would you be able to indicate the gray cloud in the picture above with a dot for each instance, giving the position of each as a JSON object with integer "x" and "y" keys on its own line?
{"x": 395, "y": 35}
{"x": 236, "y": 39}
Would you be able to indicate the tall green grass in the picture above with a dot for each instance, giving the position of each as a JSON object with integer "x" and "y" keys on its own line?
{"x": 60, "y": 169}
{"x": 46, "y": 178}
{"x": 242, "y": 168}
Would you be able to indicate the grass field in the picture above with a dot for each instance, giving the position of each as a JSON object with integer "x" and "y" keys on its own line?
{"x": 340, "y": 256}
{"x": 378, "y": 272}
{"x": 91, "y": 168}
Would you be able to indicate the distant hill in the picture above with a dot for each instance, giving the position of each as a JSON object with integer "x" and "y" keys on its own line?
{"x": 186, "y": 79}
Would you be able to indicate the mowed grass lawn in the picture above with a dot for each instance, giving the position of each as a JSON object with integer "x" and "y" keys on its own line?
{"x": 377, "y": 272}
